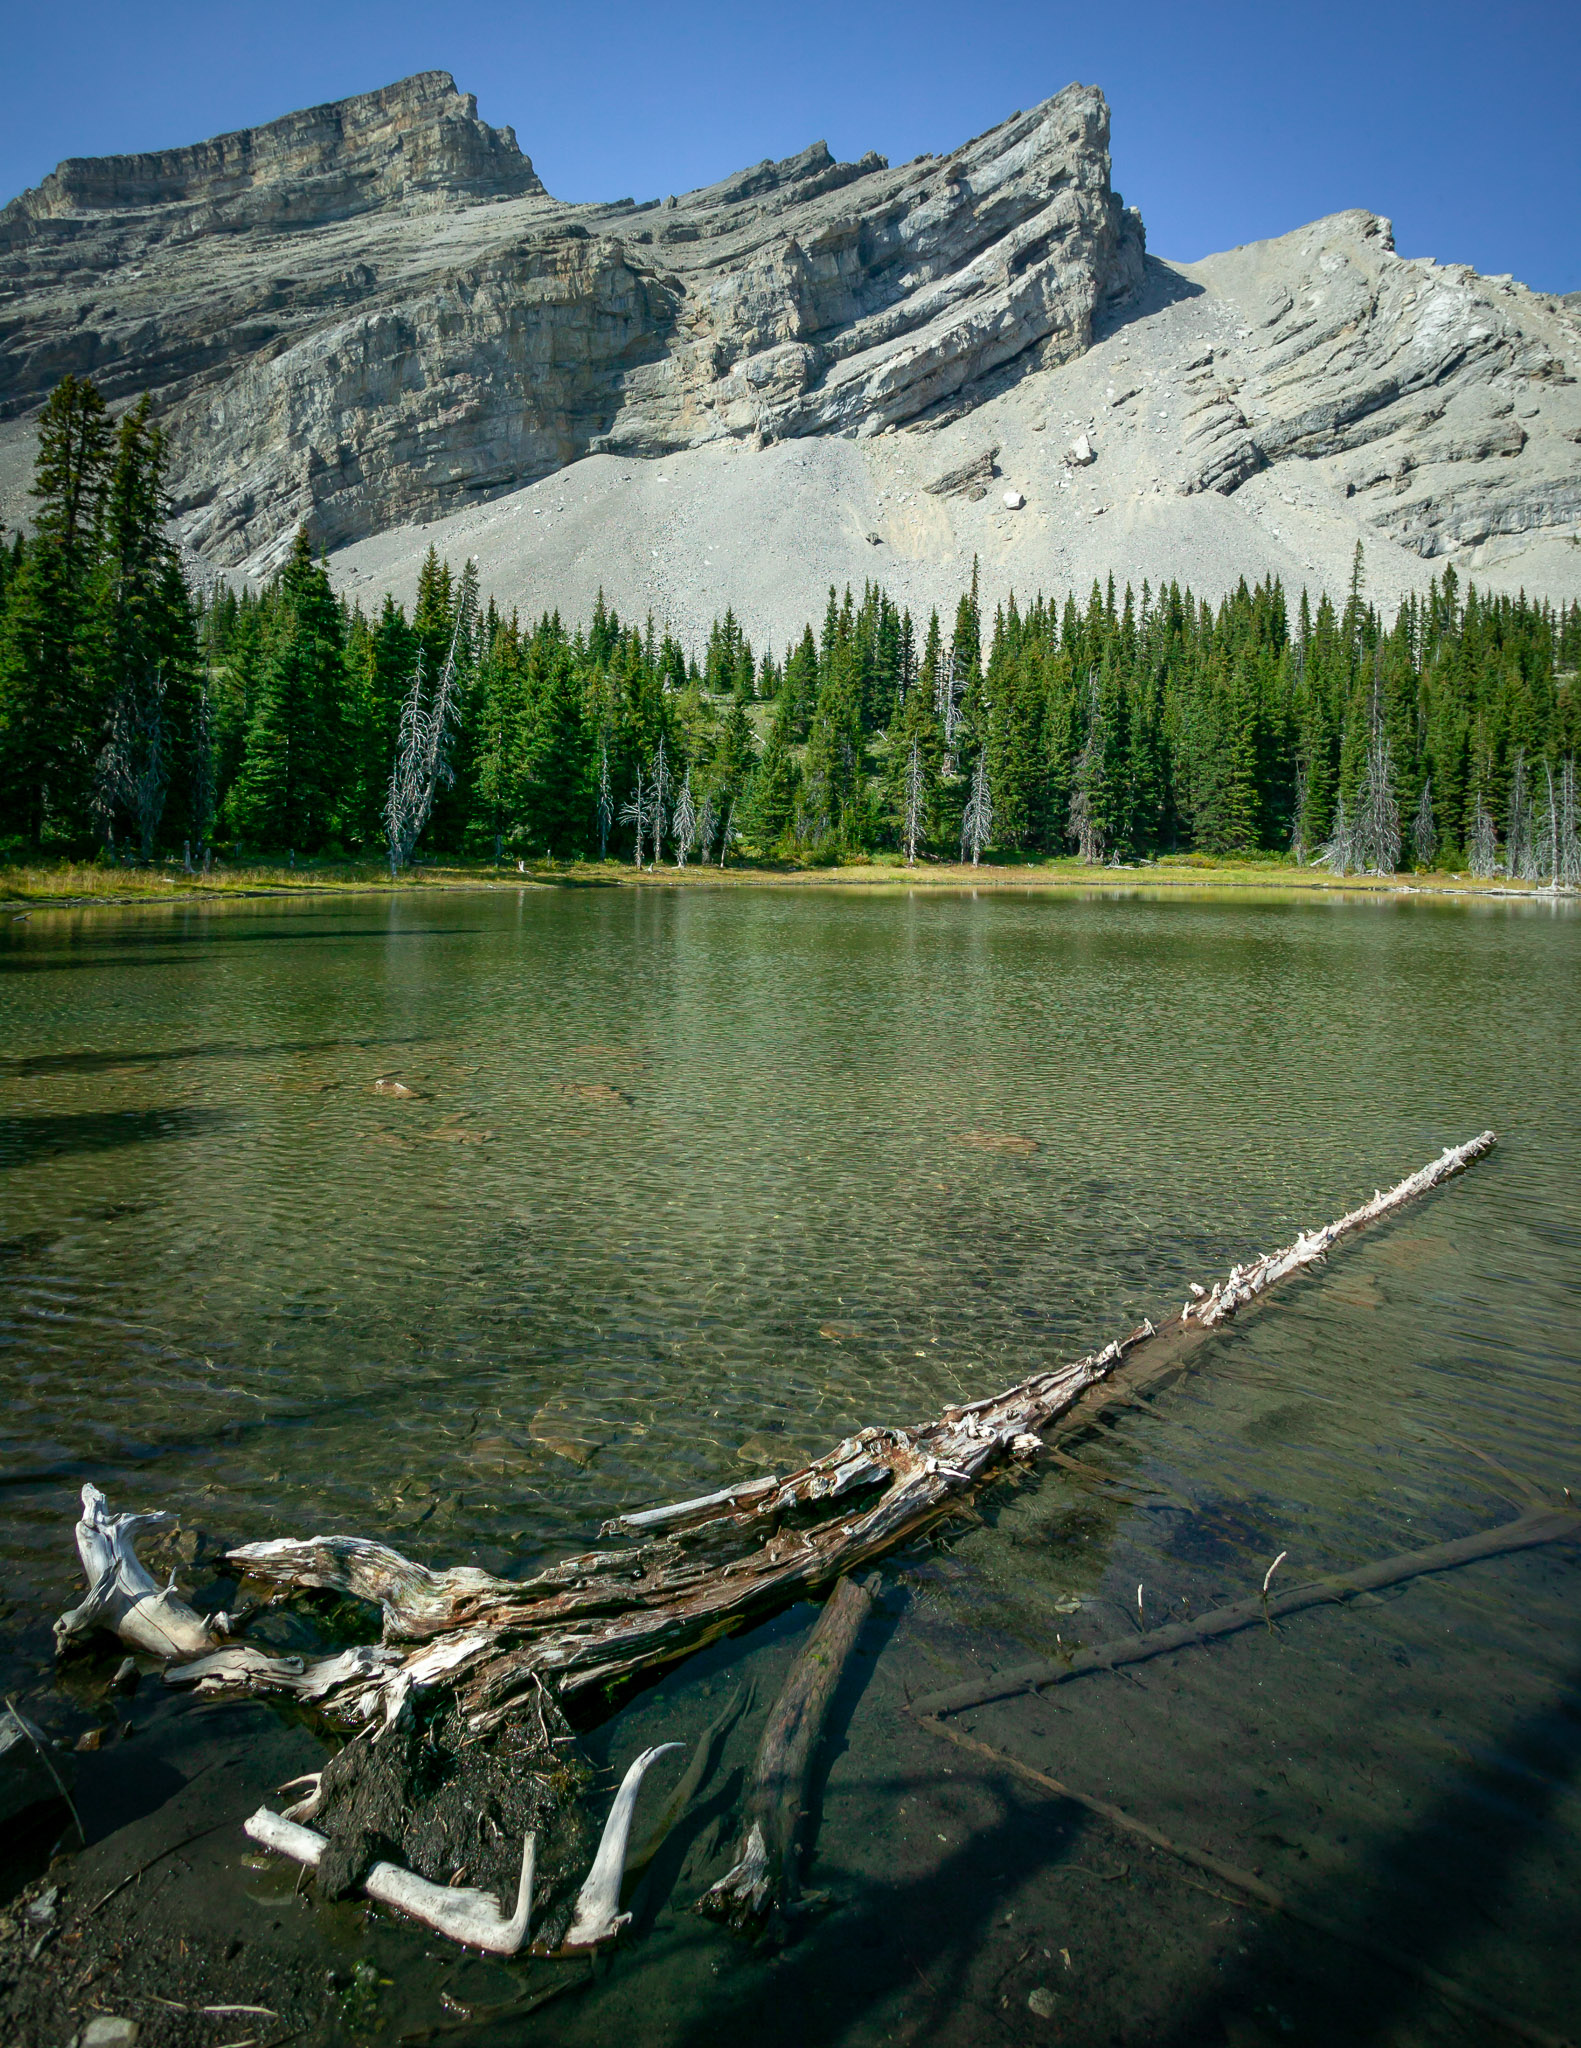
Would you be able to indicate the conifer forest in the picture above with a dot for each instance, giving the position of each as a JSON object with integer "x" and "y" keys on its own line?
{"x": 141, "y": 716}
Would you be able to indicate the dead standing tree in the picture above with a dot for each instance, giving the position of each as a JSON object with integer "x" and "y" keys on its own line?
{"x": 1484, "y": 847}
{"x": 916, "y": 803}
{"x": 606, "y": 798}
{"x": 977, "y": 822}
{"x": 1085, "y": 823}
{"x": 683, "y": 825}
{"x": 466, "y": 1685}
{"x": 422, "y": 749}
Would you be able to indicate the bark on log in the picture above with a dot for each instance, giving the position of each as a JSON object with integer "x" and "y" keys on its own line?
{"x": 1526, "y": 1532}
{"x": 701, "y": 1567}
{"x": 766, "y": 1878}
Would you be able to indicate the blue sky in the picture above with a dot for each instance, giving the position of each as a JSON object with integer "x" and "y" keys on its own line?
{"x": 1230, "y": 121}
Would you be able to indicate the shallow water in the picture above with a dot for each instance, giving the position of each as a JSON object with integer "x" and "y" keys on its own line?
{"x": 693, "y": 1182}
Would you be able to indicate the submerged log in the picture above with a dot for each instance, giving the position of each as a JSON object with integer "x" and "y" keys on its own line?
{"x": 697, "y": 1773}
{"x": 1526, "y": 1532}
{"x": 766, "y": 1877}
{"x": 698, "y": 1568}
{"x": 1251, "y": 1883}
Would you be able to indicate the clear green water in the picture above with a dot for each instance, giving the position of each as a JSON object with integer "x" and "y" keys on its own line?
{"x": 699, "y": 1180}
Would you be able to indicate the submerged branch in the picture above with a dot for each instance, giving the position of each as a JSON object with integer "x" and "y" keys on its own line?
{"x": 1526, "y": 1532}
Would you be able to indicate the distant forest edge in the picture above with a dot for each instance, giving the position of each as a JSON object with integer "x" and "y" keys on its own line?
{"x": 139, "y": 716}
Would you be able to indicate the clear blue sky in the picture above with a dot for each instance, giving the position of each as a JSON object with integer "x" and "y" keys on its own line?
{"x": 1233, "y": 121}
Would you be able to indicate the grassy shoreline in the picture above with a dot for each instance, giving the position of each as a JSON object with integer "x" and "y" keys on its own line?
{"x": 68, "y": 885}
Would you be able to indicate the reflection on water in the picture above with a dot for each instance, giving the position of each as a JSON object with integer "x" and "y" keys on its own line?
{"x": 688, "y": 1184}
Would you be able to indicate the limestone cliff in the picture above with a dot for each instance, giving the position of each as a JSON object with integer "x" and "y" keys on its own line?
{"x": 373, "y": 312}
{"x": 371, "y": 316}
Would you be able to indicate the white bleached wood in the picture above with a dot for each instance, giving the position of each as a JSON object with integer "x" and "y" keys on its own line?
{"x": 123, "y": 1595}
{"x": 605, "y": 1614}
{"x": 470, "y": 1917}
{"x": 1246, "y": 1282}
{"x": 598, "y": 1917}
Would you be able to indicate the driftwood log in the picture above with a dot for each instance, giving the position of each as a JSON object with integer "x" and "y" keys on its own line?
{"x": 697, "y": 1569}
{"x": 766, "y": 1878}
{"x": 123, "y": 1594}
{"x": 457, "y": 1710}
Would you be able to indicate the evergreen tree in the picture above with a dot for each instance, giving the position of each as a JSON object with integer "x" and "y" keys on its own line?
{"x": 285, "y": 792}
{"x": 52, "y": 695}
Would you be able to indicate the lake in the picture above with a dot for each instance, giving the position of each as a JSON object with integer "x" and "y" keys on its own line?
{"x": 688, "y": 1183}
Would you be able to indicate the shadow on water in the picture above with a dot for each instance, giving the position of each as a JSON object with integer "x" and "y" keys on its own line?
{"x": 100, "y": 1062}
{"x": 160, "y": 949}
{"x": 1503, "y": 1801}
{"x": 886, "y": 1939}
{"x": 26, "y": 1138}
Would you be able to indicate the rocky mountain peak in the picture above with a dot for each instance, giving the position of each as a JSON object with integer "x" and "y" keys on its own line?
{"x": 418, "y": 137}
{"x": 323, "y": 350}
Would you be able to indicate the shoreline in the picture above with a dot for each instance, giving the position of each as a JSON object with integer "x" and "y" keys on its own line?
{"x": 135, "y": 891}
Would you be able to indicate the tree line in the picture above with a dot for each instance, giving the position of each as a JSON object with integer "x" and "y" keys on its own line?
{"x": 139, "y": 714}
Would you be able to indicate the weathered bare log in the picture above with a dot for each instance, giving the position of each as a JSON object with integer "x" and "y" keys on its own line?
{"x": 123, "y": 1595}
{"x": 1310, "y": 1249}
{"x": 1526, "y": 1532}
{"x": 766, "y": 1877}
{"x": 598, "y": 1917}
{"x": 470, "y": 1917}
{"x": 700, "y": 1567}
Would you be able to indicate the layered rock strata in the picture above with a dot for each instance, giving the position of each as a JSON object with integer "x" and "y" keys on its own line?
{"x": 372, "y": 313}
{"x": 1446, "y": 402}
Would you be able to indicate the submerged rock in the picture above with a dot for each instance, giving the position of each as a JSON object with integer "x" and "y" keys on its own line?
{"x": 1000, "y": 1141}
{"x": 107, "y": 2031}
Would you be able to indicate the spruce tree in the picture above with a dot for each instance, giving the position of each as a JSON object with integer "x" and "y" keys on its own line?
{"x": 290, "y": 776}
{"x": 52, "y": 695}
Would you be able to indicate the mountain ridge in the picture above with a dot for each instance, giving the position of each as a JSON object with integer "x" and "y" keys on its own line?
{"x": 371, "y": 316}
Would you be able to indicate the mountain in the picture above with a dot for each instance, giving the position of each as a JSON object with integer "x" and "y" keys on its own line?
{"x": 372, "y": 318}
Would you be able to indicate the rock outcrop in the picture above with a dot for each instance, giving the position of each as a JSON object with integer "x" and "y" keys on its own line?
{"x": 371, "y": 316}
{"x": 1445, "y": 401}
{"x": 372, "y": 313}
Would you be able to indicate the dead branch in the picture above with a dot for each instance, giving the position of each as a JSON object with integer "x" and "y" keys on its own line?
{"x": 598, "y": 1917}
{"x": 471, "y": 1917}
{"x": 766, "y": 1877}
{"x": 1546, "y": 1525}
